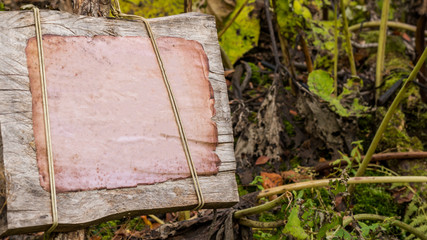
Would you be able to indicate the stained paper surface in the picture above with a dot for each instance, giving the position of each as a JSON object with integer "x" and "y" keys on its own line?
{"x": 112, "y": 124}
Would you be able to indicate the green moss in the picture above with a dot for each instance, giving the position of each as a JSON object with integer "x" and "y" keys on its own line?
{"x": 295, "y": 162}
{"x": 289, "y": 128}
{"x": 252, "y": 117}
{"x": 346, "y": 104}
{"x": 374, "y": 200}
{"x": 395, "y": 135}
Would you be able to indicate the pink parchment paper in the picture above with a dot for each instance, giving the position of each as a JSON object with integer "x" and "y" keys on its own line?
{"x": 112, "y": 124}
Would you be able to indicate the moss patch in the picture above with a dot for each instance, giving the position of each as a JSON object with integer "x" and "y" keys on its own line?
{"x": 395, "y": 136}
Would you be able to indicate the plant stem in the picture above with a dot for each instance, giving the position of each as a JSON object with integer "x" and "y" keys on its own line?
{"x": 397, "y": 223}
{"x": 158, "y": 220}
{"x": 188, "y": 6}
{"x": 261, "y": 208}
{"x": 325, "y": 182}
{"x": 381, "y": 48}
{"x": 348, "y": 39}
{"x": 257, "y": 224}
{"x": 232, "y": 20}
{"x": 400, "y": 25}
{"x": 335, "y": 50}
{"x": 387, "y": 118}
{"x": 306, "y": 52}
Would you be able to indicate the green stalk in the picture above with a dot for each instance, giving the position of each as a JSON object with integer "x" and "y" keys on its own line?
{"x": 387, "y": 118}
{"x": 348, "y": 39}
{"x": 257, "y": 224}
{"x": 381, "y": 48}
{"x": 352, "y": 180}
{"x": 392, "y": 24}
{"x": 397, "y": 223}
{"x": 335, "y": 50}
{"x": 261, "y": 208}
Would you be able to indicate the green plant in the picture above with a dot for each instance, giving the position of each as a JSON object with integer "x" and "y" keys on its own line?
{"x": 387, "y": 117}
{"x": 321, "y": 84}
{"x": 416, "y": 216}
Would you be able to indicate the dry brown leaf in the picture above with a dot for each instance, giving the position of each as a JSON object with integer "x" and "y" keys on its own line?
{"x": 271, "y": 180}
{"x": 262, "y": 160}
{"x": 293, "y": 176}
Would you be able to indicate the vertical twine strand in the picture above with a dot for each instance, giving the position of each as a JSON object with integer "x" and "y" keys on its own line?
{"x": 115, "y": 6}
{"x": 39, "y": 37}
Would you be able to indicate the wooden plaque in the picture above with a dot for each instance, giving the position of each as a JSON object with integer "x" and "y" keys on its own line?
{"x": 115, "y": 142}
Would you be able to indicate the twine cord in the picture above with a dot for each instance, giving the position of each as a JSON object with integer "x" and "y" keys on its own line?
{"x": 49, "y": 152}
{"x": 115, "y": 9}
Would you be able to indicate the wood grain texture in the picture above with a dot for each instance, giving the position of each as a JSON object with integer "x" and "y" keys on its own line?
{"x": 28, "y": 205}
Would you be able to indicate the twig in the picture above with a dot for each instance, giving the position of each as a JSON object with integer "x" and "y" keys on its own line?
{"x": 325, "y": 182}
{"x": 387, "y": 118}
{"x": 365, "y": 45}
{"x": 397, "y": 223}
{"x": 376, "y": 157}
{"x": 306, "y": 52}
{"x": 391, "y": 24}
{"x": 271, "y": 31}
{"x": 232, "y": 20}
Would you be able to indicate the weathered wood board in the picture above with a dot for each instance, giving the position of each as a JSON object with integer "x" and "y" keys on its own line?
{"x": 27, "y": 205}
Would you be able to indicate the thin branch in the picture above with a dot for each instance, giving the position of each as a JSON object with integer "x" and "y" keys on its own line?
{"x": 390, "y": 24}
{"x": 271, "y": 31}
{"x": 306, "y": 52}
{"x": 376, "y": 157}
{"x": 325, "y": 182}
{"x": 397, "y": 223}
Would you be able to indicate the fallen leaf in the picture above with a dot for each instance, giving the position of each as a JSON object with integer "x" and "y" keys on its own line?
{"x": 402, "y": 195}
{"x": 262, "y": 160}
{"x": 293, "y": 176}
{"x": 293, "y": 113}
{"x": 271, "y": 180}
{"x": 340, "y": 204}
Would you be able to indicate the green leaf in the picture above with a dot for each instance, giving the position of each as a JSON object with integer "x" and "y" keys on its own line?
{"x": 243, "y": 33}
{"x": 342, "y": 233}
{"x": 293, "y": 226}
{"x": 321, "y": 83}
{"x": 297, "y": 7}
